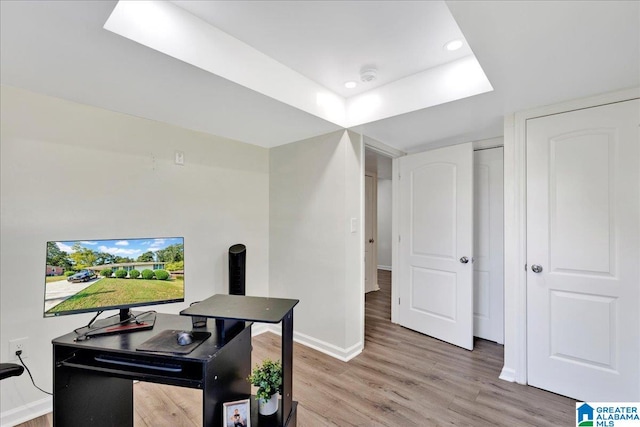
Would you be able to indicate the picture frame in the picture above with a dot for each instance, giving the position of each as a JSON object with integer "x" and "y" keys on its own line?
{"x": 236, "y": 413}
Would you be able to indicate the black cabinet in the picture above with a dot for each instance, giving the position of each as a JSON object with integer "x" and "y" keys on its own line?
{"x": 93, "y": 379}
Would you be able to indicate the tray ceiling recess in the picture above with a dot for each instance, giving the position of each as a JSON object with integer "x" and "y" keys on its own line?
{"x": 303, "y": 53}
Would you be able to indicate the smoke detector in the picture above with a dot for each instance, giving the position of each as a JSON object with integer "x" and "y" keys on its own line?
{"x": 368, "y": 74}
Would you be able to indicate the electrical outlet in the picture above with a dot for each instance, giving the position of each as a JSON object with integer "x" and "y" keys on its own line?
{"x": 19, "y": 344}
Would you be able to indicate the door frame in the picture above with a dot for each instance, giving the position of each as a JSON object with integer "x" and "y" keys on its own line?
{"x": 515, "y": 236}
{"x": 394, "y": 154}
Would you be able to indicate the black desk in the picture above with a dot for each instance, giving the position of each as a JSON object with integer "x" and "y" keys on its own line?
{"x": 88, "y": 392}
{"x": 231, "y": 311}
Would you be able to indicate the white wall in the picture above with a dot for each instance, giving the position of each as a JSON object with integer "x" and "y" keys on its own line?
{"x": 315, "y": 189}
{"x": 384, "y": 224}
{"x": 70, "y": 171}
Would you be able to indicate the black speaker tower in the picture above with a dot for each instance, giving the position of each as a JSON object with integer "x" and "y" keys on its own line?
{"x": 237, "y": 269}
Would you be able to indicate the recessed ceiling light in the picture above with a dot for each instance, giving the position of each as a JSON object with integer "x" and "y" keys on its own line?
{"x": 350, "y": 85}
{"x": 453, "y": 45}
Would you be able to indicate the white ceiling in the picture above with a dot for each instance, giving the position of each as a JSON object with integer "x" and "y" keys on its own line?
{"x": 331, "y": 41}
{"x": 172, "y": 30}
{"x": 533, "y": 53}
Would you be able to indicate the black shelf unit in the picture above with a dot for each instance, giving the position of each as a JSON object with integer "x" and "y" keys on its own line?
{"x": 231, "y": 312}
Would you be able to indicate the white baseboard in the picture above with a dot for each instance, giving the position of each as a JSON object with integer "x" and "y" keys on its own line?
{"x": 259, "y": 328}
{"x": 508, "y": 374}
{"x": 384, "y": 267}
{"x": 343, "y": 354}
{"x": 27, "y": 412}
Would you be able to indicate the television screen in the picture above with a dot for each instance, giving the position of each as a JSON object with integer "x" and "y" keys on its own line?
{"x": 98, "y": 275}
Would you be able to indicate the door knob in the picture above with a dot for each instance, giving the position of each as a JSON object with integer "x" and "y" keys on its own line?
{"x": 536, "y": 268}
{"x": 370, "y": 240}
{"x": 464, "y": 260}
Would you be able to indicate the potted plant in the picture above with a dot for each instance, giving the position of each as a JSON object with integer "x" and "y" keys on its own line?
{"x": 268, "y": 378}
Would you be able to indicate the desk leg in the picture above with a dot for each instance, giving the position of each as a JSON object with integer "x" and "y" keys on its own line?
{"x": 287, "y": 365}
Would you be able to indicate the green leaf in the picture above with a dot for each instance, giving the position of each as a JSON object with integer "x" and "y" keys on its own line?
{"x": 267, "y": 377}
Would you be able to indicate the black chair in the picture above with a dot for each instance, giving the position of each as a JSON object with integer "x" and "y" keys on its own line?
{"x": 10, "y": 370}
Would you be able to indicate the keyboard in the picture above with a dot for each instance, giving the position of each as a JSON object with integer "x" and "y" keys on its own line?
{"x": 124, "y": 361}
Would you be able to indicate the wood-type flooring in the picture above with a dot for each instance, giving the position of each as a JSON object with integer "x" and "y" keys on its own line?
{"x": 402, "y": 378}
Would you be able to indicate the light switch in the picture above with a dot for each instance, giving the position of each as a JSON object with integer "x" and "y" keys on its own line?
{"x": 354, "y": 225}
{"x": 180, "y": 158}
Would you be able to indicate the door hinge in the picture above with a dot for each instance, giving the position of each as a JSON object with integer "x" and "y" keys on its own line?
{"x": 525, "y": 267}
{"x": 398, "y": 301}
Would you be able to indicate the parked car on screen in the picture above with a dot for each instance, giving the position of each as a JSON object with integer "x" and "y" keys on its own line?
{"x": 81, "y": 276}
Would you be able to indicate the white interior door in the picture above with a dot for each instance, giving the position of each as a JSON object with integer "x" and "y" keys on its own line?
{"x": 583, "y": 253}
{"x": 370, "y": 224}
{"x": 436, "y": 242}
{"x": 488, "y": 228}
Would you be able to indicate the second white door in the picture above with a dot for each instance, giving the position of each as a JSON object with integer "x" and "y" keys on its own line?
{"x": 488, "y": 245}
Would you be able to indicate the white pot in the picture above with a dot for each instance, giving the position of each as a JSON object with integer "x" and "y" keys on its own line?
{"x": 269, "y": 406}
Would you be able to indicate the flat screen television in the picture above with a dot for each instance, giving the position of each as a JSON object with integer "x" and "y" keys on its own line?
{"x": 117, "y": 274}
